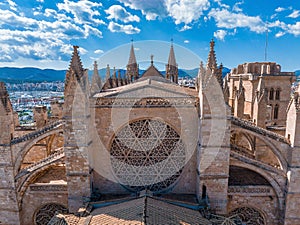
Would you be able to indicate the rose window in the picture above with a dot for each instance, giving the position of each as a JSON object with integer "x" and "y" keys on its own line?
{"x": 45, "y": 213}
{"x": 249, "y": 216}
{"x": 147, "y": 154}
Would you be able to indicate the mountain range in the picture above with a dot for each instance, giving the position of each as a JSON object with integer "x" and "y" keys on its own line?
{"x": 30, "y": 74}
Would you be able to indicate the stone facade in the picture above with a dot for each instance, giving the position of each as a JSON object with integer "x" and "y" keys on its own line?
{"x": 228, "y": 148}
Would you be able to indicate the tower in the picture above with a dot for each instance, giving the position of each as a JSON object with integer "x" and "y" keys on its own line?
{"x": 132, "y": 72}
{"x": 76, "y": 133}
{"x": 9, "y": 209}
{"x": 171, "y": 67}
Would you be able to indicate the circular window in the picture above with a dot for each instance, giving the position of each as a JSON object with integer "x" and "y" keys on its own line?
{"x": 46, "y": 212}
{"x": 147, "y": 154}
{"x": 248, "y": 216}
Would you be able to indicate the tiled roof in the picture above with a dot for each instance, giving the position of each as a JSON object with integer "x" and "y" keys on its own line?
{"x": 140, "y": 211}
{"x": 146, "y": 210}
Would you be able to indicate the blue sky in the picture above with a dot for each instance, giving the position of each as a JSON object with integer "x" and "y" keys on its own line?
{"x": 40, "y": 33}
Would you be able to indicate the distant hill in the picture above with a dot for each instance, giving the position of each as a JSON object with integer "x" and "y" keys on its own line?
{"x": 30, "y": 74}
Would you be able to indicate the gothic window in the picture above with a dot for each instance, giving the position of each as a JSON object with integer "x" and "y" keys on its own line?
{"x": 249, "y": 216}
{"x": 147, "y": 154}
{"x": 277, "y": 94}
{"x": 46, "y": 212}
{"x": 276, "y": 109}
{"x": 271, "y": 94}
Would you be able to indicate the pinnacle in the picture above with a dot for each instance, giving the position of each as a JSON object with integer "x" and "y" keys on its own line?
{"x": 132, "y": 59}
{"x": 172, "y": 60}
{"x": 76, "y": 64}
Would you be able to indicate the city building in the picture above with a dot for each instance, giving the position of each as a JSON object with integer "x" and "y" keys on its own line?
{"x": 141, "y": 149}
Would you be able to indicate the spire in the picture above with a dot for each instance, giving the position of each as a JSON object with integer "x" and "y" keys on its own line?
{"x": 171, "y": 67}
{"x": 132, "y": 67}
{"x": 4, "y": 98}
{"x": 107, "y": 74}
{"x": 76, "y": 64}
{"x": 96, "y": 80}
{"x": 172, "y": 60}
{"x": 132, "y": 59}
{"x": 212, "y": 61}
{"x": 119, "y": 78}
{"x": 114, "y": 79}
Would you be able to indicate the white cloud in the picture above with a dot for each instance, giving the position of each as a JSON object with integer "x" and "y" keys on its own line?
{"x": 186, "y": 41}
{"x": 220, "y": 34}
{"x": 294, "y": 29}
{"x": 186, "y": 11}
{"x": 236, "y": 7}
{"x": 83, "y": 11}
{"x": 127, "y": 29}
{"x": 12, "y": 5}
{"x": 185, "y": 27}
{"x": 295, "y": 14}
{"x": 98, "y": 51}
{"x": 117, "y": 12}
{"x": 40, "y": 1}
{"x": 25, "y": 37}
{"x": 229, "y": 20}
{"x": 279, "y": 34}
{"x": 149, "y": 8}
{"x": 280, "y": 9}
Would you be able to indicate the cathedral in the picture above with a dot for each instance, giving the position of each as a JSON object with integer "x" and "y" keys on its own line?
{"x": 138, "y": 148}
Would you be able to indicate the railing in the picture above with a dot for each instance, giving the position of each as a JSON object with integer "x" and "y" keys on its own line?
{"x": 51, "y": 158}
{"x": 251, "y": 126}
{"x": 37, "y": 133}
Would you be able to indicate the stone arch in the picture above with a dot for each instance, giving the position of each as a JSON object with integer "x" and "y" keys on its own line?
{"x": 278, "y": 154}
{"x": 246, "y": 136}
{"x": 250, "y": 215}
{"x": 22, "y": 153}
{"x": 273, "y": 182}
{"x": 147, "y": 143}
{"x": 45, "y": 212}
{"x": 29, "y": 179}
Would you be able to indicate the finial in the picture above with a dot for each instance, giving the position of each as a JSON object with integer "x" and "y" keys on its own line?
{"x": 212, "y": 43}
{"x": 151, "y": 59}
{"x": 131, "y": 40}
{"x": 171, "y": 40}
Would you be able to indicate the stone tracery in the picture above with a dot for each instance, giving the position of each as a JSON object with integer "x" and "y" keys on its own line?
{"x": 46, "y": 212}
{"x": 147, "y": 154}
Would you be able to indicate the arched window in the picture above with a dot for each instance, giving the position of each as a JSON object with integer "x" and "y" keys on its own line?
{"x": 276, "y": 109}
{"x": 271, "y": 94}
{"x": 248, "y": 215}
{"x": 45, "y": 213}
{"x": 277, "y": 94}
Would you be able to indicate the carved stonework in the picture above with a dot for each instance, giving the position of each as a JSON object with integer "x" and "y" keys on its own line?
{"x": 146, "y": 102}
{"x": 249, "y": 216}
{"x": 45, "y": 213}
{"x": 250, "y": 190}
{"x": 49, "y": 187}
{"x": 147, "y": 154}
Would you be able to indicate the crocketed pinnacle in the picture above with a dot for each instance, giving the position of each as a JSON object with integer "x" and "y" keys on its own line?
{"x": 212, "y": 61}
{"x": 76, "y": 65}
